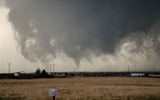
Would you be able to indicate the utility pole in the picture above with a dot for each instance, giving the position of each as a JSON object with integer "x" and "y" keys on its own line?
{"x": 9, "y": 64}
{"x": 128, "y": 68}
{"x": 53, "y": 68}
{"x": 50, "y": 67}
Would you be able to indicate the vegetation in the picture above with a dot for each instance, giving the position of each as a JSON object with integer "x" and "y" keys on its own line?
{"x": 82, "y": 88}
{"x": 38, "y": 72}
{"x": 42, "y": 74}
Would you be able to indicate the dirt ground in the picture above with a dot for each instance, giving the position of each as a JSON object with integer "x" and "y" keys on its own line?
{"x": 82, "y": 88}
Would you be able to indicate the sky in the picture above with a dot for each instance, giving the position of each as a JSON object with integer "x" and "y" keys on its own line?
{"x": 92, "y": 35}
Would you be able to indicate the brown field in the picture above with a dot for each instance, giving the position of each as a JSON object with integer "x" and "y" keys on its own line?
{"x": 82, "y": 88}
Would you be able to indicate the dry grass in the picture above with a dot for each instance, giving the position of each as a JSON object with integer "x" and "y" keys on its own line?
{"x": 82, "y": 88}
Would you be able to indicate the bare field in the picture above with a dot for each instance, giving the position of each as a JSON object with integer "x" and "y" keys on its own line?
{"x": 82, "y": 88}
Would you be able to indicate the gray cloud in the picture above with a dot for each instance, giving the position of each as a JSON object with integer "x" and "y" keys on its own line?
{"x": 78, "y": 28}
{"x": 1, "y": 3}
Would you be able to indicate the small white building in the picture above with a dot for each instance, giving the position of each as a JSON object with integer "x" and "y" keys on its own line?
{"x": 137, "y": 74}
{"x": 16, "y": 74}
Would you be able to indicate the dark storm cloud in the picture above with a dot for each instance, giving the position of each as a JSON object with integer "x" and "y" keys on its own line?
{"x": 78, "y": 27}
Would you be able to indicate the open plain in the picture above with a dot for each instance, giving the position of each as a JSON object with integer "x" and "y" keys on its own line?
{"x": 82, "y": 88}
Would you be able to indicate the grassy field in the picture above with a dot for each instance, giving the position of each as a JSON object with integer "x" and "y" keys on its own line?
{"x": 82, "y": 88}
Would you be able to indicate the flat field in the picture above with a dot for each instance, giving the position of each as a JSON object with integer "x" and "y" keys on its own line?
{"x": 82, "y": 88}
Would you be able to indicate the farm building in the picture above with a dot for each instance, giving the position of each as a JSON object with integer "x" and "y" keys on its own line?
{"x": 154, "y": 75}
{"x": 137, "y": 74}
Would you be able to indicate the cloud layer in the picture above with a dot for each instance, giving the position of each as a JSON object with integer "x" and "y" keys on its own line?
{"x": 83, "y": 28}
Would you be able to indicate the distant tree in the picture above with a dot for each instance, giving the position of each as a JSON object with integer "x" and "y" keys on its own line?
{"x": 38, "y": 72}
{"x": 45, "y": 74}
